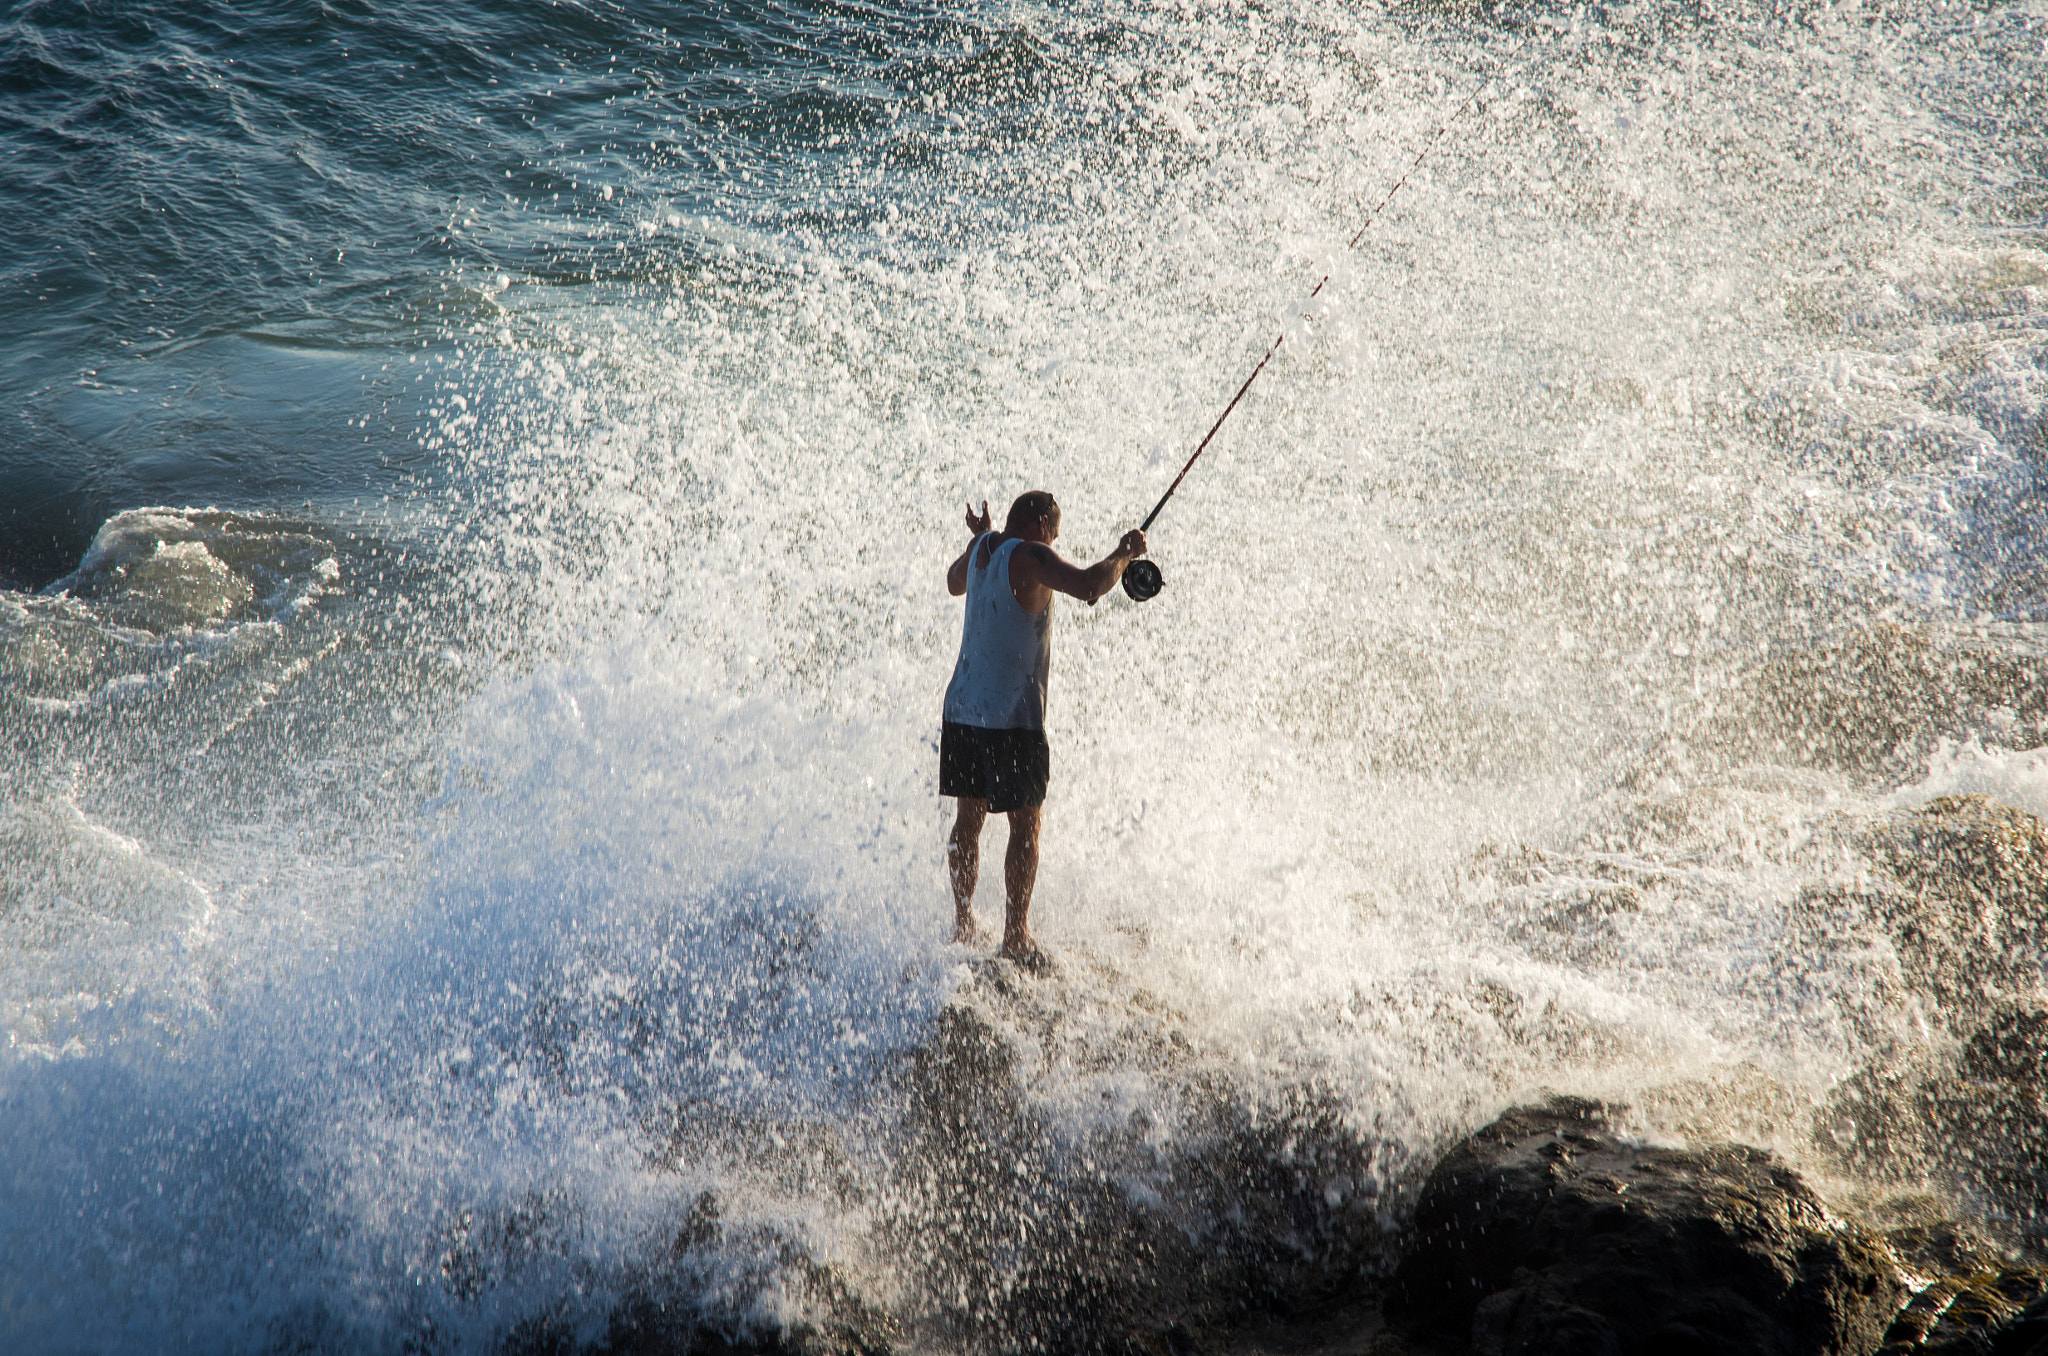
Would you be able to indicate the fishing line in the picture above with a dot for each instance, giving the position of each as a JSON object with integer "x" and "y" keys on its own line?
{"x": 1142, "y": 579}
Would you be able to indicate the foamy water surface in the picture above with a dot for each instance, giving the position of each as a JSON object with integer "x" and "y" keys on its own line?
{"x": 451, "y": 843}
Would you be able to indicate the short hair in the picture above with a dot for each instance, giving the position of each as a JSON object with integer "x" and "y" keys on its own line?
{"x": 1029, "y": 508}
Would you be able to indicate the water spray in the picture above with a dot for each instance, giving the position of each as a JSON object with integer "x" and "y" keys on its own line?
{"x": 1142, "y": 579}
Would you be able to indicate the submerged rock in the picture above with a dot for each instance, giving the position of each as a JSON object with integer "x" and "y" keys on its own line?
{"x": 163, "y": 569}
{"x": 1547, "y": 1232}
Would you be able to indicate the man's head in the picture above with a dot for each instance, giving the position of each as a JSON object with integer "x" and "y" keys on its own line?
{"x": 1035, "y": 515}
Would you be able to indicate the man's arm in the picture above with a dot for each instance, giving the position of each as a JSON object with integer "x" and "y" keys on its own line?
{"x": 1043, "y": 566}
{"x": 956, "y": 573}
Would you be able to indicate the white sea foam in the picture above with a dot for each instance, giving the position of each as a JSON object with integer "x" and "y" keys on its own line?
{"x": 1384, "y": 797}
{"x": 2017, "y": 778}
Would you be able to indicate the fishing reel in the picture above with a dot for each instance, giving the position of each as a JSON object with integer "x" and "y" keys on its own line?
{"x": 1142, "y": 580}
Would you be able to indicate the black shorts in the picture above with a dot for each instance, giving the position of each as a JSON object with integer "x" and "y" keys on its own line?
{"x": 1006, "y": 768}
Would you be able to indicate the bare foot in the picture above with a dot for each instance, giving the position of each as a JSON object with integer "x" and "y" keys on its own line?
{"x": 964, "y": 931}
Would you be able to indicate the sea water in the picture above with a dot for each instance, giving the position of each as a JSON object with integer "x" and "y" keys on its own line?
{"x": 474, "y": 502}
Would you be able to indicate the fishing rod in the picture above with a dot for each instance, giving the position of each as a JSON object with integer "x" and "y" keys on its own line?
{"x": 1142, "y": 579}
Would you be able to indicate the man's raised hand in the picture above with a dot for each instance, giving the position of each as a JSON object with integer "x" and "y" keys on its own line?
{"x": 981, "y": 524}
{"x": 1133, "y": 544}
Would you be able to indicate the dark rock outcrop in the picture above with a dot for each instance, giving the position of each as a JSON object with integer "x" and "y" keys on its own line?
{"x": 2026, "y": 1334}
{"x": 1998, "y": 1312}
{"x": 1546, "y": 1232}
{"x": 1026, "y": 1241}
{"x": 988, "y": 1225}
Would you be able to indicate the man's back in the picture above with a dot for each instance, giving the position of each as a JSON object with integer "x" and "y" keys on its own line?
{"x": 1000, "y": 679}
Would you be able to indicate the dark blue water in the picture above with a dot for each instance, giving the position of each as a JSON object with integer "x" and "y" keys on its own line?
{"x": 230, "y": 217}
{"x": 473, "y": 502}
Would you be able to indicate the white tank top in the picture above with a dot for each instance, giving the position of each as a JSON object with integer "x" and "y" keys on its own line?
{"x": 1005, "y": 652}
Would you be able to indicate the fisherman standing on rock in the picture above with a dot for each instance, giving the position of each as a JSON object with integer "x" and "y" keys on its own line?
{"x": 992, "y": 750}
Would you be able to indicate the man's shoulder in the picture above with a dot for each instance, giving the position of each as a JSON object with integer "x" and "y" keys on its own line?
{"x": 1030, "y": 554}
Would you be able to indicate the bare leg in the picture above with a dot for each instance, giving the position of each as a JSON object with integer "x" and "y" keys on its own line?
{"x": 1020, "y": 873}
{"x": 963, "y": 864}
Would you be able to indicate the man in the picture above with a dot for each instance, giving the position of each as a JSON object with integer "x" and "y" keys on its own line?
{"x": 992, "y": 750}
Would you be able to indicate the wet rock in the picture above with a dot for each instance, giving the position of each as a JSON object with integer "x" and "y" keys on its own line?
{"x": 997, "y": 1213}
{"x": 165, "y": 569}
{"x": 1926, "y": 1239}
{"x": 2026, "y": 1334}
{"x": 1967, "y": 1114}
{"x": 704, "y": 1298}
{"x": 1125, "y": 1240}
{"x": 1979, "y": 1314}
{"x": 1876, "y": 702}
{"x": 1546, "y": 1232}
{"x": 1968, "y": 905}
{"x": 1960, "y": 894}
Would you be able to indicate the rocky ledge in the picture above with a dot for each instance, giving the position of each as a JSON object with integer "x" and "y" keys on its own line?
{"x": 1280, "y": 1226}
{"x": 1548, "y": 1232}
{"x": 1551, "y": 1231}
